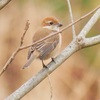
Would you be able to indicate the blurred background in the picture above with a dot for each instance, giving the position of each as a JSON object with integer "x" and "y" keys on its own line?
{"x": 77, "y": 78}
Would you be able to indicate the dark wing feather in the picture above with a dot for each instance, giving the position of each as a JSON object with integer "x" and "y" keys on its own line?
{"x": 45, "y": 47}
{"x": 30, "y": 52}
{"x": 48, "y": 48}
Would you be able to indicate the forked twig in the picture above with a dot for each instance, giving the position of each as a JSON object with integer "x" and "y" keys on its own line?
{"x": 15, "y": 53}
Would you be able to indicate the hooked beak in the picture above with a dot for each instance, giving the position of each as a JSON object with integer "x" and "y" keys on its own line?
{"x": 59, "y": 25}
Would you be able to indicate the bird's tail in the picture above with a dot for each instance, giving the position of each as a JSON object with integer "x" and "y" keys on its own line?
{"x": 30, "y": 60}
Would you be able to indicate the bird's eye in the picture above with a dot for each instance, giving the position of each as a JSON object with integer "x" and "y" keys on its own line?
{"x": 51, "y": 23}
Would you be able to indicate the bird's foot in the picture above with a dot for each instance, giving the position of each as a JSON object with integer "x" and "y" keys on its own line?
{"x": 53, "y": 59}
{"x": 44, "y": 66}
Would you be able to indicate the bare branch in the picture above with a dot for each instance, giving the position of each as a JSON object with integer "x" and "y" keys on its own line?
{"x": 26, "y": 28}
{"x": 51, "y": 88}
{"x": 16, "y": 52}
{"x": 92, "y": 41}
{"x": 3, "y": 3}
{"x": 9, "y": 61}
{"x": 90, "y": 23}
{"x": 71, "y": 16}
{"x": 76, "y": 44}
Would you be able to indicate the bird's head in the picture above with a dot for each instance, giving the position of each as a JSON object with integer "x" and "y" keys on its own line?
{"x": 51, "y": 23}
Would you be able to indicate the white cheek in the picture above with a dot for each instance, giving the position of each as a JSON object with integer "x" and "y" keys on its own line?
{"x": 54, "y": 28}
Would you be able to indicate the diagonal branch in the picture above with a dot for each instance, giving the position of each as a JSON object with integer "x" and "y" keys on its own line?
{"x": 92, "y": 41}
{"x": 90, "y": 23}
{"x": 16, "y": 51}
{"x": 71, "y": 16}
{"x": 3, "y": 3}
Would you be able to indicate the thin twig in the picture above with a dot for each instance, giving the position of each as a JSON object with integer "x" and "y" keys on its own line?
{"x": 71, "y": 16}
{"x": 51, "y": 88}
{"x": 16, "y": 52}
{"x": 9, "y": 61}
{"x": 3, "y": 3}
{"x": 26, "y": 28}
{"x": 90, "y": 23}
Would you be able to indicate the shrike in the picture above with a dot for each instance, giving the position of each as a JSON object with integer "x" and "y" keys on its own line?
{"x": 49, "y": 47}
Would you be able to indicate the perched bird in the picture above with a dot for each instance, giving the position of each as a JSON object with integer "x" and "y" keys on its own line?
{"x": 49, "y": 47}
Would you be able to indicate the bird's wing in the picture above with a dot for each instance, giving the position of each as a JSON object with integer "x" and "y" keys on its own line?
{"x": 39, "y": 34}
{"x": 32, "y": 57}
{"x": 47, "y": 48}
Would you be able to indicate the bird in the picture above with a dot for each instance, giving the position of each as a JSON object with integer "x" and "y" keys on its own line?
{"x": 47, "y": 48}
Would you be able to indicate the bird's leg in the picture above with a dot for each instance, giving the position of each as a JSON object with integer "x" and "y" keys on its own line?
{"x": 44, "y": 66}
{"x": 53, "y": 59}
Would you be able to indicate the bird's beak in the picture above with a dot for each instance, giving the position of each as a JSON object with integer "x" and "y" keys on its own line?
{"x": 59, "y": 25}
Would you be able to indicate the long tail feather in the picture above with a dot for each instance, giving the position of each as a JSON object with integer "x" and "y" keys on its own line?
{"x": 30, "y": 60}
